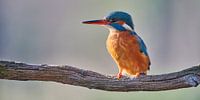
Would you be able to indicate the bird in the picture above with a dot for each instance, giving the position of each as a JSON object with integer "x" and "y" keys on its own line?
{"x": 124, "y": 45}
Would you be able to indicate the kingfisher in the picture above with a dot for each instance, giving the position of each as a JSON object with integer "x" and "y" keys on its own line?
{"x": 125, "y": 46}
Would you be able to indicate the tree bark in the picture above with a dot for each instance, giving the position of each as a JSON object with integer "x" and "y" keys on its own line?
{"x": 79, "y": 77}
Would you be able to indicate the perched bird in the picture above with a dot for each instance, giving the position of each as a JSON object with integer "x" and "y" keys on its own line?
{"x": 124, "y": 45}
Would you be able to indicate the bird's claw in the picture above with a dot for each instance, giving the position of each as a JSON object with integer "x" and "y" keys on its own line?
{"x": 119, "y": 75}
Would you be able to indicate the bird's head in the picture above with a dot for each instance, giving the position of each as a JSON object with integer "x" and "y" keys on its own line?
{"x": 117, "y": 20}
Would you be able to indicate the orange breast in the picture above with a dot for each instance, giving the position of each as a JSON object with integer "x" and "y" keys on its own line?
{"x": 125, "y": 50}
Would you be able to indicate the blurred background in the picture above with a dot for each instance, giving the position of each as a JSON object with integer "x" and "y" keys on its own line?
{"x": 50, "y": 32}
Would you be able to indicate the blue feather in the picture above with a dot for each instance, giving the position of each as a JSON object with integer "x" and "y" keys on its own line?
{"x": 119, "y": 15}
{"x": 117, "y": 27}
{"x": 143, "y": 47}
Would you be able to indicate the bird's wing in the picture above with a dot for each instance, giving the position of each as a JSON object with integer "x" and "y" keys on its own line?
{"x": 143, "y": 47}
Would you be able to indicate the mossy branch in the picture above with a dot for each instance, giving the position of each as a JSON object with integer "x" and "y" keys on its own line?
{"x": 93, "y": 80}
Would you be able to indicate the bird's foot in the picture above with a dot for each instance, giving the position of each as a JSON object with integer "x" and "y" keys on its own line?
{"x": 119, "y": 75}
{"x": 137, "y": 75}
{"x": 140, "y": 74}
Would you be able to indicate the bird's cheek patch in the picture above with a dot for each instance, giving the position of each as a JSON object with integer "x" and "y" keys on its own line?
{"x": 127, "y": 27}
{"x": 121, "y": 22}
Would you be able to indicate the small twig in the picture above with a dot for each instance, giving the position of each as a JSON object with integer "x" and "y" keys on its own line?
{"x": 93, "y": 80}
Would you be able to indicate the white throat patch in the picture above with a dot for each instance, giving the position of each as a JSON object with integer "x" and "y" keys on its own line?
{"x": 111, "y": 29}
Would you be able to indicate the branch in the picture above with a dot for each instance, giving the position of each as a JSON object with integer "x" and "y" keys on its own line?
{"x": 92, "y": 80}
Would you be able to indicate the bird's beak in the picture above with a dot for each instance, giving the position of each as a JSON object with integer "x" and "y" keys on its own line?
{"x": 97, "y": 22}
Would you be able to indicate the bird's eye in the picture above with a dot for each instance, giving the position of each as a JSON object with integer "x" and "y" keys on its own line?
{"x": 112, "y": 20}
